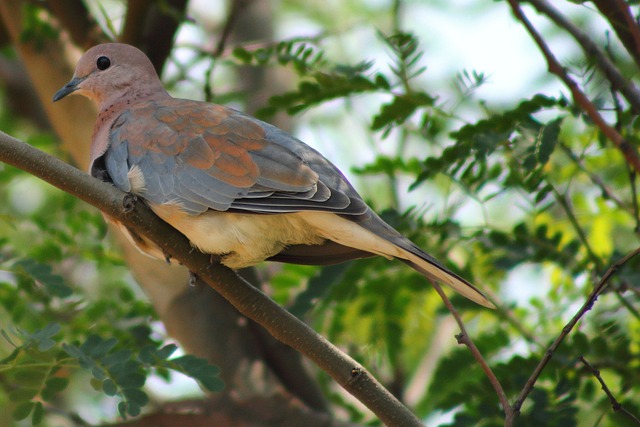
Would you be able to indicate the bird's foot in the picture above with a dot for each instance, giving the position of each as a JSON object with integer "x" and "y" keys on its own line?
{"x": 193, "y": 279}
{"x": 129, "y": 202}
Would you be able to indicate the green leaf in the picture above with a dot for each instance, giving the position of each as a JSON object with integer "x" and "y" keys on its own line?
{"x": 242, "y": 54}
{"x": 130, "y": 380}
{"x": 400, "y": 109}
{"x": 22, "y": 410}
{"x": 137, "y": 396}
{"x": 122, "y": 409}
{"x": 42, "y": 338}
{"x": 200, "y": 370}
{"x": 548, "y": 140}
{"x": 96, "y": 347}
{"x": 38, "y": 414}
{"x": 23, "y": 393}
{"x": 166, "y": 351}
{"x": 133, "y": 409}
{"x": 53, "y": 386}
{"x": 317, "y": 287}
{"x": 43, "y": 273}
{"x": 118, "y": 357}
{"x": 109, "y": 387}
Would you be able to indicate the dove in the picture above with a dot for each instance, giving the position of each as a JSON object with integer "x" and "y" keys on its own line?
{"x": 236, "y": 187}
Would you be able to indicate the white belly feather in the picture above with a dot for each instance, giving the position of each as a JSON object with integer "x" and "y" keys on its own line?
{"x": 242, "y": 239}
{"x": 247, "y": 239}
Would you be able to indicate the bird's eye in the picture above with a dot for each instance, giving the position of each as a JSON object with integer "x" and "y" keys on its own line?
{"x": 103, "y": 63}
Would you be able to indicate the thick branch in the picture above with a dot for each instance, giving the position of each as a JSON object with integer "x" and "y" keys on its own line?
{"x": 78, "y": 22}
{"x": 137, "y": 12}
{"x": 246, "y": 298}
{"x": 225, "y": 412}
{"x": 152, "y": 26}
{"x": 627, "y": 150}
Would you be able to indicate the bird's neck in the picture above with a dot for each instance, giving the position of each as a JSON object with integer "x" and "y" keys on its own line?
{"x": 130, "y": 95}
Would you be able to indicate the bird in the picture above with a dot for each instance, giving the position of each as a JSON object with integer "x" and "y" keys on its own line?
{"x": 238, "y": 188}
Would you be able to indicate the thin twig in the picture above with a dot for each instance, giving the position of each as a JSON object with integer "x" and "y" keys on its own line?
{"x": 617, "y": 406}
{"x": 564, "y": 203}
{"x": 464, "y": 338}
{"x": 236, "y": 8}
{"x": 565, "y": 331}
{"x": 627, "y": 150}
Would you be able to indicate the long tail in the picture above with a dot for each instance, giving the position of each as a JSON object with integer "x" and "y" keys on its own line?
{"x": 369, "y": 233}
{"x": 432, "y": 269}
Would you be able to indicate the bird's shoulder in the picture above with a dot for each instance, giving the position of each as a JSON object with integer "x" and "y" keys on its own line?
{"x": 173, "y": 125}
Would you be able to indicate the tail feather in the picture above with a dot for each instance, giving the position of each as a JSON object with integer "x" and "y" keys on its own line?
{"x": 369, "y": 233}
{"x": 460, "y": 285}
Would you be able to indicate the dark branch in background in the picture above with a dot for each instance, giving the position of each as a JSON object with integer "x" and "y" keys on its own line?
{"x": 619, "y": 15}
{"x": 152, "y": 25}
{"x": 237, "y": 7}
{"x": 591, "y": 50}
{"x": 617, "y": 407}
{"x": 236, "y": 10}
{"x": 134, "y": 21}
{"x": 246, "y": 298}
{"x": 20, "y": 96}
{"x": 602, "y": 284}
{"x": 227, "y": 412}
{"x": 464, "y": 338}
{"x": 75, "y": 18}
{"x": 286, "y": 363}
{"x": 627, "y": 150}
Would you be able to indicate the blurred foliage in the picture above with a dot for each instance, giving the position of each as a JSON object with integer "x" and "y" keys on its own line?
{"x": 527, "y": 200}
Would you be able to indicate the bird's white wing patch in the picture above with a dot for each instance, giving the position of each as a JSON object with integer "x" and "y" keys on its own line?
{"x": 136, "y": 179}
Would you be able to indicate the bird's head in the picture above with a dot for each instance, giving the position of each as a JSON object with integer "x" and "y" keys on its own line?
{"x": 112, "y": 71}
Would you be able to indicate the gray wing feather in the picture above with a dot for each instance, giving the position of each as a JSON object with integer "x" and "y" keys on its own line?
{"x": 170, "y": 180}
{"x": 117, "y": 166}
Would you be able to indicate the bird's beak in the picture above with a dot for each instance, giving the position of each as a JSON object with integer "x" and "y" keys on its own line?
{"x": 69, "y": 88}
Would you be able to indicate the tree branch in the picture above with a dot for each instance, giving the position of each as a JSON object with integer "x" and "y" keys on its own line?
{"x": 226, "y": 412}
{"x": 619, "y": 15}
{"x": 246, "y": 298}
{"x": 464, "y": 338}
{"x": 591, "y": 49}
{"x": 78, "y": 22}
{"x": 627, "y": 150}
{"x": 602, "y": 284}
{"x": 617, "y": 407}
{"x": 151, "y": 26}
{"x": 237, "y": 7}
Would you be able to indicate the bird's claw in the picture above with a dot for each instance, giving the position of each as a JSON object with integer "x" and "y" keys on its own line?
{"x": 129, "y": 202}
{"x": 193, "y": 279}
